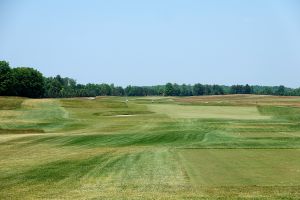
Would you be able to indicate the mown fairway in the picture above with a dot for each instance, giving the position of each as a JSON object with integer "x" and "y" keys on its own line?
{"x": 226, "y": 147}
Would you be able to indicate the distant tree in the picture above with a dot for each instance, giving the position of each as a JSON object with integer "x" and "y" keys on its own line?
{"x": 135, "y": 91}
{"x": 112, "y": 89}
{"x": 267, "y": 91}
{"x": 6, "y": 79}
{"x": 127, "y": 90}
{"x": 185, "y": 90}
{"x": 118, "y": 91}
{"x": 237, "y": 89}
{"x": 247, "y": 89}
{"x": 105, "y": 89}
{"x": 28, "y": 82}
{"x": 176, "y": 90}
{"x": 93, "y": 90}
{"x": 280, "y": 91}
{"x": 198, "y": 89}
{"x": 233, "y": 89}
{"x": 53, "y": 87}
{"x": 217, "y": 90}
{"x": 60, "y": 87}
{"x": 161, "y": 90}
{"x": 169, "y": 90}
{"x": 297, "y": 92}
{"x": 207, "y": 90}
{"x": 69, "y": 82}
{"x": 150, "y": 91}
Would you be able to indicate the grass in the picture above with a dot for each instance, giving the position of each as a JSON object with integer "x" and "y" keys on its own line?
{"x": 215, "y": 147}
{"x": 261, "y": 167}
{"x": 10, "y": 103}
{"x": 206, "y": 112}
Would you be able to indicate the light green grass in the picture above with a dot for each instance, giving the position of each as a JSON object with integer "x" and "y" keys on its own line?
{"x": 213, "y": 112}
{"x": 168, "y": 148}
{"x": 33, "y": 115}
{"x": 261, "y": 167}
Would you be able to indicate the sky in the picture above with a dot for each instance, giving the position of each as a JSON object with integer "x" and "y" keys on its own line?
{"x": 150, "y": 42}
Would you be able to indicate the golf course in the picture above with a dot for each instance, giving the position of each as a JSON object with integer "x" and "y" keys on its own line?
{"x": 201, "y": 147}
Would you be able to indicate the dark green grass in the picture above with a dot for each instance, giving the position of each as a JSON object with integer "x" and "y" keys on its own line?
{"x": 185, "y": 134}
{"x": 281, "y": 112}
{"x": 56, "y": 171}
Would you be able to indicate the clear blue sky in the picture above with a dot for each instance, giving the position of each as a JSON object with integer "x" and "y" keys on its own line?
{"x": 147, "y": 42}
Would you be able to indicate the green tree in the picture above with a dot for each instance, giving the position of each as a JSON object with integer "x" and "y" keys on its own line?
{"x": 118, "y": 91}
{"x": 237, "y": 89}
{"x": 217, "y": 90}
{"x": 207, "y": 90}
{"x": 184, "y": 90}
{"x": 280, "y": 91}
{"x": 198, "y": 89}
{"x": 169, "y": 90}
{"x": 53, "y": 87}
{"x": 6, "y": 79}
{"x": 28, "y": 82}
{"x": 248, "y": 89}
{"x": 105, "y": 90}
{"x": 176, "y": 89}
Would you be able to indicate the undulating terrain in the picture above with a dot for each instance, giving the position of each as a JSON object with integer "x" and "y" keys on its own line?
{"x": 225, "y": 147}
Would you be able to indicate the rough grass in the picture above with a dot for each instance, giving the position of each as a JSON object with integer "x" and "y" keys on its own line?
{"x": 10, "y": 103}
{"x": 33, "y": 115}
{"x": 169, "y": 148}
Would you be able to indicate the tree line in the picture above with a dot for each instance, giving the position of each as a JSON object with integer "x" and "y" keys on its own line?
{"x": 28, "y": 82}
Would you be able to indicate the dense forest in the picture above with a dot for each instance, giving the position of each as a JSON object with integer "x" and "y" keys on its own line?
{"x": 28, "y": 82}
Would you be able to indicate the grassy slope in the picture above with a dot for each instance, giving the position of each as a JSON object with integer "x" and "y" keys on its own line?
{"x": 80, "y": 148}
